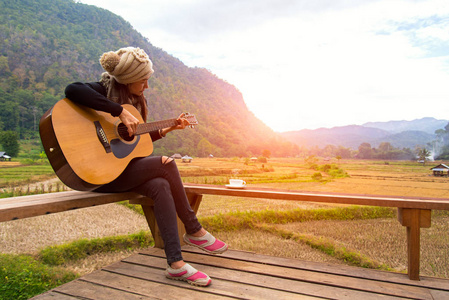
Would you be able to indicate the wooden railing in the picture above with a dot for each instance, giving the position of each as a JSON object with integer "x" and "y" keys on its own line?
{"x": 413, "y": 213}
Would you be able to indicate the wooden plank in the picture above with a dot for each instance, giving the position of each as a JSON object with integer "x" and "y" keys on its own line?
{"x": 386, "y": 276}
{"x": 148, "y": 284}
{"x": 222, "y": 287}
{"x": 53, "y": 295}
{"x": 440, "y": 295}
{"x": 36, "y": 205}
{"x": 271, "y": 285}
{"x": 372, "y": 200}
{"x": 238, "y": 274}
{"x": 82, "y": 288}
{"x": 310, "y": 276}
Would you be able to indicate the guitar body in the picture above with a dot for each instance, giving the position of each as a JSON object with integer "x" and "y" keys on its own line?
{"x": 84, "y": 146}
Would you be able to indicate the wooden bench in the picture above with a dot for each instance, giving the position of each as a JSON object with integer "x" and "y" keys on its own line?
{"x": 413, "y": 213}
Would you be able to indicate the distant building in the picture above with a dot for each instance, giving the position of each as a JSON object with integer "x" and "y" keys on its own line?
{"x": 4, "y": 157}
{"x": 440, "y": 170}
{"x": 176, "y": 156}
{"x": 187, "y": 159}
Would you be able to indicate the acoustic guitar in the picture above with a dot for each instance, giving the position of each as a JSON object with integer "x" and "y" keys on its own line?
{"x": 89, "y": 148}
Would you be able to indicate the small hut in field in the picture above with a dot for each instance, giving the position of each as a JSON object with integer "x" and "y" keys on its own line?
{"x": 187, "y": 159}
{"x": 440, "y": 170}
{"x": 4, "y": 156}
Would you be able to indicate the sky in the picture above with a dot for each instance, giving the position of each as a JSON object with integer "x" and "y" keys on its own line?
{"x": 308, "y": 64}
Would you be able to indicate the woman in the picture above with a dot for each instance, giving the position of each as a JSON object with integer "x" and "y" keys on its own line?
{"x": 125, "y": 80}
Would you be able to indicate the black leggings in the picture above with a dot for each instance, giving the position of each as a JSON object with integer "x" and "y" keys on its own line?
{"x": 160, "y": 181}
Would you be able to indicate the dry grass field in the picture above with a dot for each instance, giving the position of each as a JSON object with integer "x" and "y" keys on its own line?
{"x": 382, "y": 240}
{"x": 9, "y": 164}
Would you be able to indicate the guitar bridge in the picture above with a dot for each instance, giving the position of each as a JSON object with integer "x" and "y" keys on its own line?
{"x": 102, "y": 137}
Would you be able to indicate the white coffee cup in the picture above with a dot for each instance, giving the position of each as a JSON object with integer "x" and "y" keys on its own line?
{"x": 237, "y": 182}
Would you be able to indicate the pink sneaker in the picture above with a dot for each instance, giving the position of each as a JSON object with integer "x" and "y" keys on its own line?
{"x": 207, "y": 243}
{"x": 189, "y": 274}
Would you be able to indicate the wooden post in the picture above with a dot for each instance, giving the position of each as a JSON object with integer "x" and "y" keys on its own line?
{"x": 414, "y": 220}
{"x": 148, "y": 209}
{"x": 195, "y": 201}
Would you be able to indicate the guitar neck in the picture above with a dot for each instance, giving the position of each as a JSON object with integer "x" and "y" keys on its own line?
{"x": 153, "y": 126}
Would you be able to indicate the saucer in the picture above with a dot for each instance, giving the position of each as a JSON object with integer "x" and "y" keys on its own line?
{"x": 232, "y": 186}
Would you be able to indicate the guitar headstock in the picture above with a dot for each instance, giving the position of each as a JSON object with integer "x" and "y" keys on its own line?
{"x": 191, "y": 119}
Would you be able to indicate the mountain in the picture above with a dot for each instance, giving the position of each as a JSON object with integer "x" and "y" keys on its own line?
{"x": 45, "y": 45}
{"x": 407, "y": 139}
{"x": 428, "y": 125}
{"x": 400, "y": 134}
{"x": 348, "y": 136}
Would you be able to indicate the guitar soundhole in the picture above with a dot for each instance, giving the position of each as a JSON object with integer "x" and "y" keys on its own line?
{"x": 123, "y": 132}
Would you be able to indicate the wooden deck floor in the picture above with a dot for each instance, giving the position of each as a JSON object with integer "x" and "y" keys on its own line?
{"x": 245, "y": 275}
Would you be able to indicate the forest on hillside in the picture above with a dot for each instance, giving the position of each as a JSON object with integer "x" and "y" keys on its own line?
{"x": 45, "y": 45}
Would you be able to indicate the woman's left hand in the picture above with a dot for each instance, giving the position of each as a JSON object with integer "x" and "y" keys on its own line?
{"x": 182, "y": 122}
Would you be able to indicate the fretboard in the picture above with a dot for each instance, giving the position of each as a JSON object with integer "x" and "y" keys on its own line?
{"x": 153, "y": 126}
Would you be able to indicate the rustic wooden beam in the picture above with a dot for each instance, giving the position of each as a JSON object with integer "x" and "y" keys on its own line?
{"x": 148, "y": 210}
{"x": 36, "y": 205}
{"x": 414, "y": 220}
{"x": 413, "y": 212}
{"x": 354, "y": 199}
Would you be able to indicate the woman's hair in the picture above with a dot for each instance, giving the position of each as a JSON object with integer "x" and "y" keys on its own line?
{"x": 140, "y": 102}
{"x": 120, "y": 94}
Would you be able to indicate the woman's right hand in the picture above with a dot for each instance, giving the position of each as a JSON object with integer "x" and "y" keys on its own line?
{"x": 130, "y": 121}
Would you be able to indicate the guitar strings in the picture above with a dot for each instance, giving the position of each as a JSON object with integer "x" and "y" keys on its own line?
{"x": 147, "y": 127}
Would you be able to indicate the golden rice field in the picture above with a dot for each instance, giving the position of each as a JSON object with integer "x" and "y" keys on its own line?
{"x": 393, "y": 178}
{"x": 382, "y": 240}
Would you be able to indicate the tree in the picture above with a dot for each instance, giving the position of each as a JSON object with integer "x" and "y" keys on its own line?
{"x": 266, "y": 153}
{"x": 10, "y": 143}
{"x": 385, "y": 147}
{"x": 343, "y": 152}
{"x": 443, "y": 141}
{"x": 442, "y": 135}
{"x": 204, "y": 148}
{"x": 365, "y": 151}
{"x": 329, "y": 151}
{"x": 423, "y": 154}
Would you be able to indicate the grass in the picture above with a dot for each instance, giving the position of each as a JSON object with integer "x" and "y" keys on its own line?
{"x": 329, "y": 247}
{"x": 50, "y": 186}
{"x": 22, "y": 276}
{"x": 80, "y": 249}
{"x": 362, "y": 236}
{"x": 11, "y": 176}
{"x": 247, "y": 220}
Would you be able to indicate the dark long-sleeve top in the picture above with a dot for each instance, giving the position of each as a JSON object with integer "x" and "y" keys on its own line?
{"x": 93, "y": 95}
